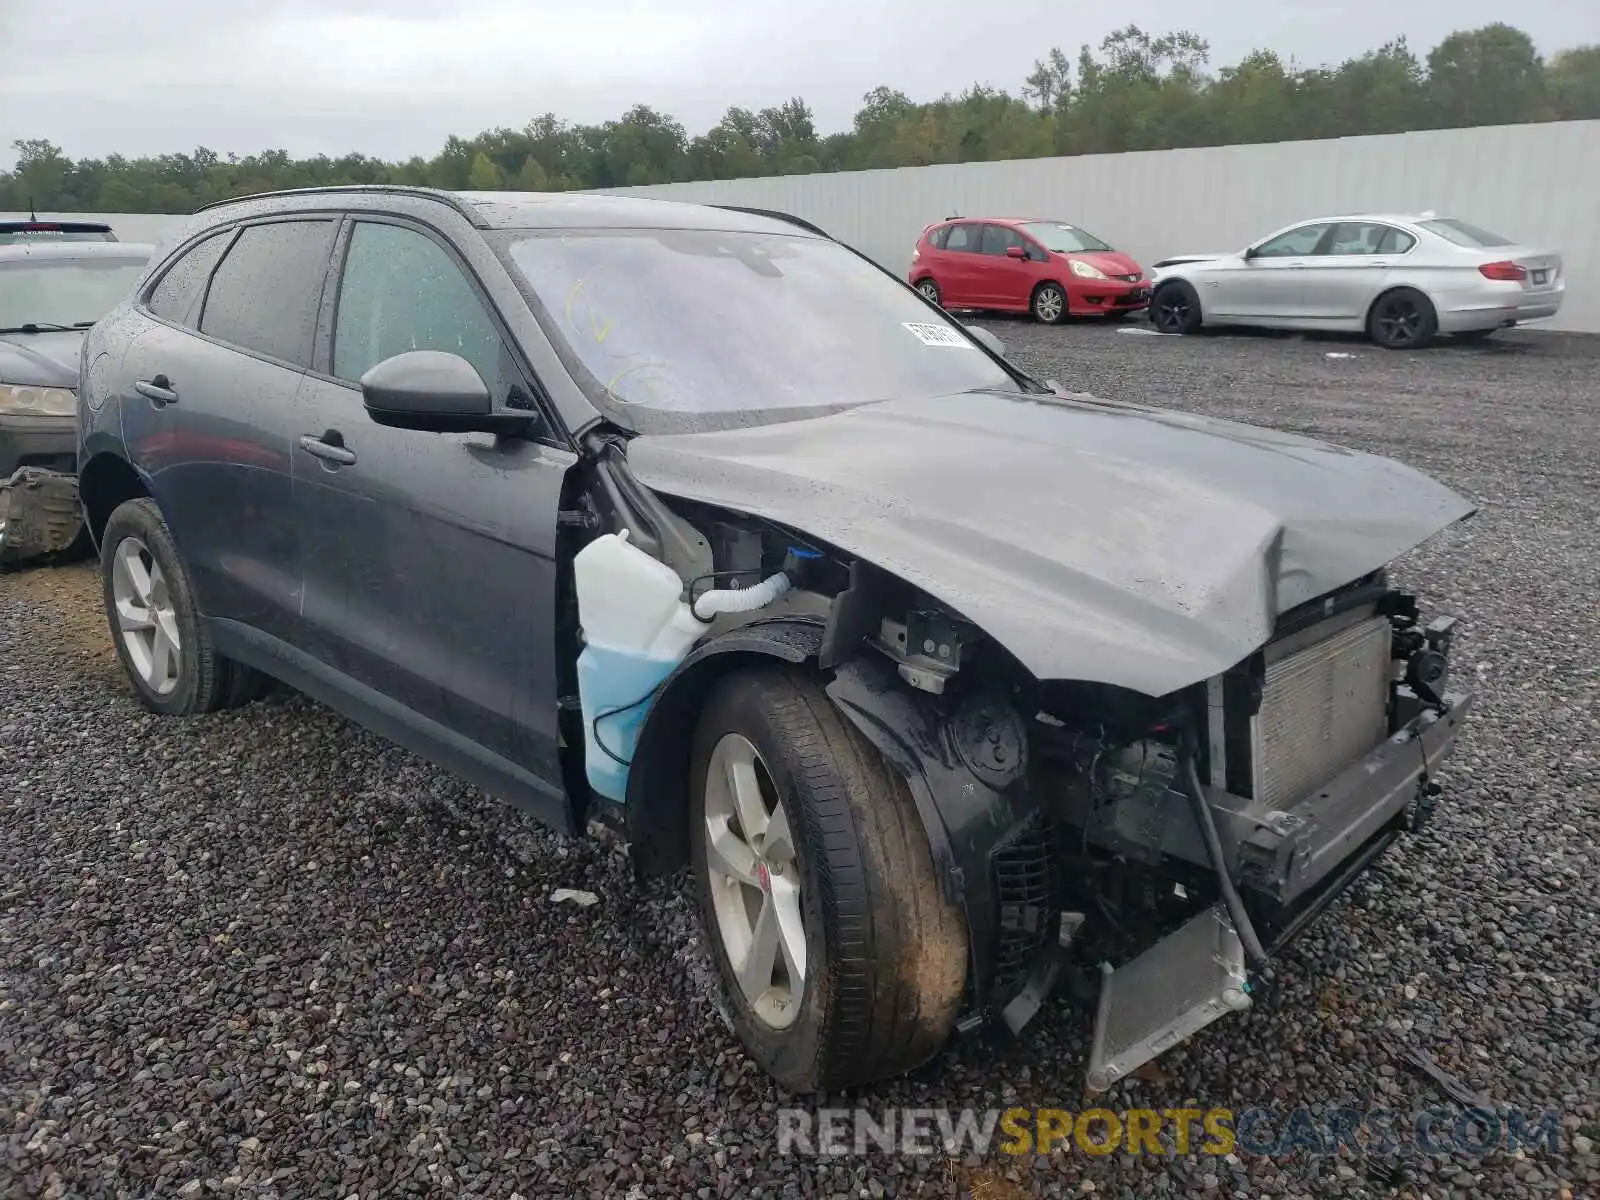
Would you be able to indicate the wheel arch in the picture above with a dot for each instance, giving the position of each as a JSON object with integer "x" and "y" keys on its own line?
{"x": 656, "y": 816}
{"x": 105, "y": 481}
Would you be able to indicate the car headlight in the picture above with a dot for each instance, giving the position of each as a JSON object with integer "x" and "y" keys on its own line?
{"x": 1085, "y": 270}
{"x": 18, "y": 399}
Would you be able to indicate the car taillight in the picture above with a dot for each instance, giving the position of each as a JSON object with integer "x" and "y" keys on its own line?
{"x": 1506, "y": 271}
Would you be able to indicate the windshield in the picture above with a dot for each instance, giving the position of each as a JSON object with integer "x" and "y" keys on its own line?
{"x": 1463, "y": 234}
{"x": 63, "y": 291}
{"x": 675, "y": 330}
{"x": 1062, "y": 238}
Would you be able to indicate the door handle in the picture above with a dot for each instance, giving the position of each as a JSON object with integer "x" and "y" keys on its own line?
{"x": 158, "y": 391}
{"x": 329, "y": 447}
{"x": 1377, "y": 265}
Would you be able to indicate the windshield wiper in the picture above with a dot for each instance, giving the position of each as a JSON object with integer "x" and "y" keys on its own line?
{"x": 46, "y": 327}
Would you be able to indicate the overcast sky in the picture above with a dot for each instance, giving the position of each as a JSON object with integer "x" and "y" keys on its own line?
{"x": 395, "y": 77}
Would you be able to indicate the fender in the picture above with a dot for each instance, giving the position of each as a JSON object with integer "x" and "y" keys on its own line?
{"x": 989, "y": 837}
{"x": 655, "y": 817}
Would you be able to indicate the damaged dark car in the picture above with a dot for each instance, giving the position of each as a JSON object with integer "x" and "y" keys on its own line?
{"x": 694, "y": 521}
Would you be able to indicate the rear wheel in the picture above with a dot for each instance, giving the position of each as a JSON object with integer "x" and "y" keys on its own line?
{"x": 165, "y": 652}
{"x": 1175, "y": 308}
{"x": 841, "y": 960}
{"x": 1403, "y": 319}
{"x": 1049, "y": 304}
{"x": 929, "y": 290}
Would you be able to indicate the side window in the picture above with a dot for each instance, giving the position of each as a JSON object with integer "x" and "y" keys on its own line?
{"x": 963, "y": 238}
{"x": 401, "y": 291}
{"x": 1395, "y": 241}
{"x": 937, "y": 236}
{"x": 997, "y": 237}
{"x": 173, "y": 297}
{"x": 1294, "y": 244}
{"x": 265, "y": 293}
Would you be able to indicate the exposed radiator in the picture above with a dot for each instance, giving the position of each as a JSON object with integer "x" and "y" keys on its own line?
{"x": 1323, "y": 705}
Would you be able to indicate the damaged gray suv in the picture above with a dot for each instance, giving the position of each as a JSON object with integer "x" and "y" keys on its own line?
{"x": 694, "y": 520}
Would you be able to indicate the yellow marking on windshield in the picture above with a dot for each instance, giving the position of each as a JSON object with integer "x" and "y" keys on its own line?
{"x": 598, "y": 333}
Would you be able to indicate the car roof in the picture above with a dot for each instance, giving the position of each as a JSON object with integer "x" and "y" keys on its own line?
{"x": 59, "y": 250}
{"x": 538, "y": 210}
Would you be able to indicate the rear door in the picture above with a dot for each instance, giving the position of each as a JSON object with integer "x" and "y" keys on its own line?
{"x": 960, "y": 271}
{"x": 1007, "y": 282}
{"x": 208, "y": 390}
{"x": 1351, "y": 267}
{"x": 429, "y": 558}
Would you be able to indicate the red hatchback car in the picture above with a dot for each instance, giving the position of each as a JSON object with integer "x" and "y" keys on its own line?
{"x": 1049, "y": 268}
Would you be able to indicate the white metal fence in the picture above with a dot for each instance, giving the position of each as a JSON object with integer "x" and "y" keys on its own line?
{"x": 1537, "y": 183}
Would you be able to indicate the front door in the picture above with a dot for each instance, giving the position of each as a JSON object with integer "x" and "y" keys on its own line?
{"x": 429, "y": 559}
{"x": 1007, "y": 282}
{"x": 1265, "y": 284}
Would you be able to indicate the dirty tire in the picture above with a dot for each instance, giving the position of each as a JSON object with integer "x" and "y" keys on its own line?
{"x": 1175, "y": 308}
{"x": 930, "y": 291}
{"x": 886, "y": 954}
{"x": 206, "y": 681}
{"x": 1049, "y": 304}
{"x": 1402, "y": 319}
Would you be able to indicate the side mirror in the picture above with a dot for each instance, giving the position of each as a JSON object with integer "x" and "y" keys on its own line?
{"x": 1251, "y": 252}
{"x": 1016, "y": 252}
{"x": 992, "y": 343}
{"x": 435, "y": 392}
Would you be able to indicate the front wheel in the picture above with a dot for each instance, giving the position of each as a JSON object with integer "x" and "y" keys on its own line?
{"x": 1403, "y": 319}
{"x": 1049, "y": 304}
{"x": 155, "y": 627}
{"x": 1175, "y": 308}
{"x": 841, "y": 960}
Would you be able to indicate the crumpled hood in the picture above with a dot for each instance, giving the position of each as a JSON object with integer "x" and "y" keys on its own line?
{"x": 1095, "y": 540}
{"x": 41, "y": 359}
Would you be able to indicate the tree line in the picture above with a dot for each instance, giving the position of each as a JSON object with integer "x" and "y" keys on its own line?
{"x": 1136, "y": 91}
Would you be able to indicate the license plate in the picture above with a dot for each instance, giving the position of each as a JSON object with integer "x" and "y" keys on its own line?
{"x": 1539, "y": 276}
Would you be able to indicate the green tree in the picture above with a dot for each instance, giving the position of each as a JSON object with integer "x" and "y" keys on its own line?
{"x": 1134, "y": 91}
{"x": 485, "y": 174}
{"x": 1487, "y": 76}
{"x": 1574, "y": 81}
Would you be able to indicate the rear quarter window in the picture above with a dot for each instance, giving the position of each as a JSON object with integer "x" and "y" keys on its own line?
{"x": 174, "y": 295}
{"x": 937, "y": 236}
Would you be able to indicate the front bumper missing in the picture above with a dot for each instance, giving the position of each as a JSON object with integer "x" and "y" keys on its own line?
{"x": 39, "y": 514}
{"x": 1292, "y": 868}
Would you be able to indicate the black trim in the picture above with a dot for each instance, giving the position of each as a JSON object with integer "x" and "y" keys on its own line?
{"x": 362, "y": 189}
{"x": 774, "y": 215}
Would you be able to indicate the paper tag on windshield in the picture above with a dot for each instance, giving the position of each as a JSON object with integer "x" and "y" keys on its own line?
{"x": 936, "y": 335}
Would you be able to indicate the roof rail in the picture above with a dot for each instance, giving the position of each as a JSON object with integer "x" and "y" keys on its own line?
{"x": 789, "y": 218}
{"x": 394, "y": 189}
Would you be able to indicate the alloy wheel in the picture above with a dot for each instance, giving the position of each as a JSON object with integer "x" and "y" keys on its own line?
{"x": 929, "y": 290}
{"x": 755, "y": 881}
{"x": 1172, "y": 311}
{"x": 1398, "y": 321}
{"x": 1047, "y": 305}
{"x": 146, "y": 620}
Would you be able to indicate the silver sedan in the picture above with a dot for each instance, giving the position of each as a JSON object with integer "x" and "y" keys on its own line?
{"x": 1400, "y": 279}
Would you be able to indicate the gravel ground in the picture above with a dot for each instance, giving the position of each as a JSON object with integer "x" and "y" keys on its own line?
{"x": 264, "y": 953}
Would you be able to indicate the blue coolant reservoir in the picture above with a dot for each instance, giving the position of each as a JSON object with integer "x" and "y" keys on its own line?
{"x": 636, "y": 629}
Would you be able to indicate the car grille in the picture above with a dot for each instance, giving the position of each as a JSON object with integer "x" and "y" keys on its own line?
{"x": 1323, "y": 705}
{"x": 1134, "y": 278}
